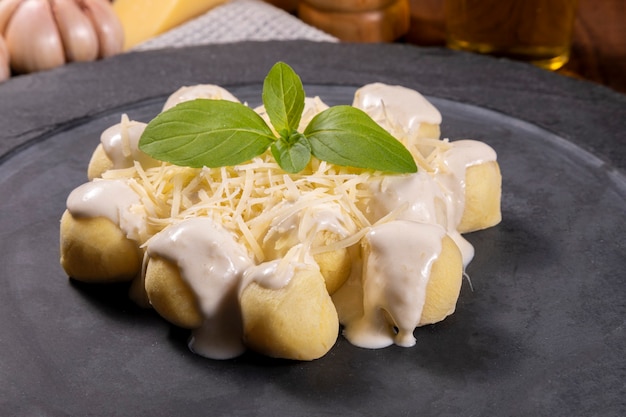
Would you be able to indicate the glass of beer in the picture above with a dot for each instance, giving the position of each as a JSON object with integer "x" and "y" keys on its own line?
{"x": 538, "y": 31}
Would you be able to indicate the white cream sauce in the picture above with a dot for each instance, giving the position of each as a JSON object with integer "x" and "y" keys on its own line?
{"x": 271, "y": 274}
{"x": 302, "y": 224}
{"x": 208, "y": 91}
{"x": 212, "y": 262}
{"x": 416, "y": 197}
{"x": 456, "y": 160}
{"x": 397, "y": 258}
{"x": 396, "y": 105}
{"x": 121, "y": 144}
{"x": 277, "y": 273}
{"x": 112, "y": 199}
{"x": 466, "y": 153}
{"x": 437, "y": 198}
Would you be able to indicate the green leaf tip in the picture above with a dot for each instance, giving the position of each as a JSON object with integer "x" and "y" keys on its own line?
{"x": 283, "y": 97}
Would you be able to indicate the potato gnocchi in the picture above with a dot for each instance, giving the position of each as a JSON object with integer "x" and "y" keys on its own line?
{"x": 250, "y": 257}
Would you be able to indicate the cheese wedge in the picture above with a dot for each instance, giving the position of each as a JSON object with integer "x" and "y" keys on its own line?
{"x": 144, "y": 19}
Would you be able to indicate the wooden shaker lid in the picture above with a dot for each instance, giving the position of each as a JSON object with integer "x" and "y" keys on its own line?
{"x": 386, "y": 21}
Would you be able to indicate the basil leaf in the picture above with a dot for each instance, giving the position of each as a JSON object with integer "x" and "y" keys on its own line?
{"x": 292, "y": 154}
{"x": 204, "y": 132}
{"x": 345, "y": 135}
{"x": 283, "y": 97}
{"x": 217, "y": 133}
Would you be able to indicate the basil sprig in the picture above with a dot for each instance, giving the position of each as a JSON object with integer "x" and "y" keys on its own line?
{"x": 216, "y": 133}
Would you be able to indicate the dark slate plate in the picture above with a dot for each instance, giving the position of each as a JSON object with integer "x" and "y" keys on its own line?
{"x": 541, "y": 333}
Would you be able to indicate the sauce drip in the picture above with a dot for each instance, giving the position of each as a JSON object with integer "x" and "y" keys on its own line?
{"x": 212, "y": 262}
{"x": 112, "y": 199}
{"x": 397, "y": 258}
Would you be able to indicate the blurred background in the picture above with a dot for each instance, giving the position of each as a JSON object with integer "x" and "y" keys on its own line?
{"x": 41, "y": 34}
{"x": 598, "y": 46}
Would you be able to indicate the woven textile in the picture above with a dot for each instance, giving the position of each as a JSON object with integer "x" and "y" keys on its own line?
{"x": 234, "y": 21}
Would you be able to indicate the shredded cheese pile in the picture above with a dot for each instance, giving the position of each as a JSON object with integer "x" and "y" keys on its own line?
{"x": 247, "y": 198}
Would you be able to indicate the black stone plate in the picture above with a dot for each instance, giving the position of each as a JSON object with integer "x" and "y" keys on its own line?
{"x": 540, "y": 334}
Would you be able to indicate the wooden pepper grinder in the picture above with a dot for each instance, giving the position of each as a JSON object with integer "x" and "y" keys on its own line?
{"x": 358, "y": 20}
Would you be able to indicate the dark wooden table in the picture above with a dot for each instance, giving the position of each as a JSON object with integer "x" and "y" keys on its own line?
{"x": 599, "y": 43}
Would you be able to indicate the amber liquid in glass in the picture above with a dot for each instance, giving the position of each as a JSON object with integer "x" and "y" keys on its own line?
{"x": 538, "y": 31}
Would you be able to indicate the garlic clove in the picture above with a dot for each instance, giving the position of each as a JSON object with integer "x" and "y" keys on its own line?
{"x": 78, "y": 34}
{"x": 107, "y": 25}
{"x": 5, "y": 70}
{"x": 7, "y": 7}
{"x": 33, "y": 38}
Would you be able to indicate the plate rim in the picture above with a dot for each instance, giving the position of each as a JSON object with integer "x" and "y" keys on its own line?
{"x": 78, "y": 120}
{"x": 585, "y": 113}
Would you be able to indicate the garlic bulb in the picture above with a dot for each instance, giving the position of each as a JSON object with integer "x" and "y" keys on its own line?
{"x": 43, "y": 34}
{"x": 77, "y": 32}
{"x": 5, "y": 70}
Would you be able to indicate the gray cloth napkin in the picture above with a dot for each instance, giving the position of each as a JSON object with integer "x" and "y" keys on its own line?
{"x": 234, "y": 21}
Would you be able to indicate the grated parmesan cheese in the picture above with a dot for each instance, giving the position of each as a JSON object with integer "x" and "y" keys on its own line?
{"x": 249, "y": 199}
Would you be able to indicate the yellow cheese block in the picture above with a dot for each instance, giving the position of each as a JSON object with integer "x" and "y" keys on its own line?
{"x": 144, "y": 19}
